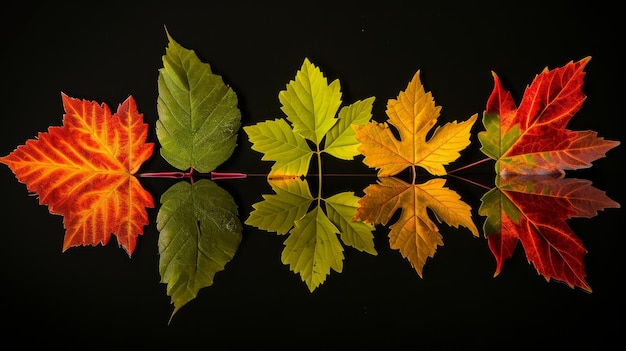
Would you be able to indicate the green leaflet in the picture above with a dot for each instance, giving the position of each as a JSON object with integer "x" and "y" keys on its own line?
{"x": 311, "y": 106}
{"x": 199, "y": 233}
{"x": 312, "y": 247}
{"x": 278, "y": 212}
{"x": 289, "y": 151}
{"x": 341, "y": 138}
{"x": 198, "y": 114}
{"x": 358, "y": 234}
{"x": 310, "y": 103}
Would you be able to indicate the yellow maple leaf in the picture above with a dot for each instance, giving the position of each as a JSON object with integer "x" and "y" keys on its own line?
{"x": 414, "y": 233}
{"x": 413, "y": 114}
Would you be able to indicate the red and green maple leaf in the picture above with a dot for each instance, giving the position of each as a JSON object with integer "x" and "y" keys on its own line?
{"x": 532, "y": 138}
{"x": 84, "y": 171}
{"x": 533, "y": 210}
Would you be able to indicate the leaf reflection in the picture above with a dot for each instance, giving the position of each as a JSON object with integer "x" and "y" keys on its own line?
{"x": 534, "y": 210}
{"x": 312, "y": 248}
{"x": 414, "y": 234}
{"x": 199, "y": 233}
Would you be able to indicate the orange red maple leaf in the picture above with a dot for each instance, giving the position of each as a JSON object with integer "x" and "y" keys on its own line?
{"x": 532, "y": 138}
{"x": 84, "y": 171}
{"x": 534, "y": 210}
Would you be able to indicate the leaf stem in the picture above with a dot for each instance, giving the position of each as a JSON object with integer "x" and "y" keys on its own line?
{"x": 190, "y": 174}
{"x": 227, "y": 175}
{"x": 319, "y": 174}
{"x": 470, "y": 181}
{"x": 470, "y": 165}
{"x": 175, "y": 175}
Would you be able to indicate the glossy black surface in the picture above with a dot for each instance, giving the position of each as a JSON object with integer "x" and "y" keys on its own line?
{"x": 89, "y": 297}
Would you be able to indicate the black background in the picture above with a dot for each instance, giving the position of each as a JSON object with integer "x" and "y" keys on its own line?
{"x": 105, "y": 51}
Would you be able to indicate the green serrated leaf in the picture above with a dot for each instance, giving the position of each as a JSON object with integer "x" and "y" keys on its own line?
{"x": 278, "y": 212}
{"x": 277, "y": 141}
{"x": 199, "y": 233}
{"x": 312, "y": 248}
{"x": 198, "y": 114}
{"x": 310, "y": 103}
{"x": 341, "y": 139}
{"x": 358, "y": 234}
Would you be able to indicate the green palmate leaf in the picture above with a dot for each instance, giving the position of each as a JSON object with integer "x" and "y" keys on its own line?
{"x": 198, "y": 113}
{"x": 278, "y": 212}
{"x": 199, "y": 233}
{"x": 358, "y": 234}
{"x": 277, "y": 141}
{"x": 341, "y": 139}
{"x": 313, "y": 248}
{"x": 310, "y": 103}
